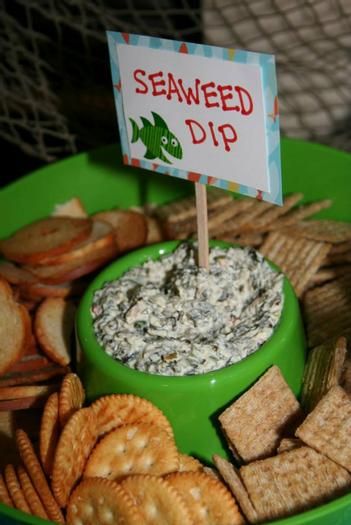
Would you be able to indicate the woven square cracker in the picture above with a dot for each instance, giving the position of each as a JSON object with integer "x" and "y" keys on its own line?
{"x": 292, "y": 482}
{"x": 298, "y": 213}
{"x": 323, "y": 230}
{"x": 323, "y": 370}
{"x": 255, "y": 423}
{"x": 232, "y": 478}
{"x": 298, "y": 258}
{"x": 327, "y": 311}
{"x": 328, "y": 427}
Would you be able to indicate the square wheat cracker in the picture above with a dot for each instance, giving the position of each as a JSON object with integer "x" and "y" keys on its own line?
{"x": 328, "y": 427}
{"x": 323, "y": 370}
{"x": 255, "y": 423}
{"x": 293, "y": 482}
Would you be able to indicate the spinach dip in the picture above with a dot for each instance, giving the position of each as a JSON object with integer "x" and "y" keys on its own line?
{"x": 171, "y": 317}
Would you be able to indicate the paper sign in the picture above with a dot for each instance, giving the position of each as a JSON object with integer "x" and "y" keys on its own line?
{"x": 202, "y": 113}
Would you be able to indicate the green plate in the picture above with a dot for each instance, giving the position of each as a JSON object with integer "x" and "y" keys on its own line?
{"x": 101, "y": 181}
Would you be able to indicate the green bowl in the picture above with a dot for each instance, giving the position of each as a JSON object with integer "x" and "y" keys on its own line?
{"x": 191, "y": 403}
{"x": 101, "y": 180}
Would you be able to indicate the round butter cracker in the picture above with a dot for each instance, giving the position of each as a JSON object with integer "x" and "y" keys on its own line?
{"x": 139, "y": 448}
{"x": 99, "y": 501}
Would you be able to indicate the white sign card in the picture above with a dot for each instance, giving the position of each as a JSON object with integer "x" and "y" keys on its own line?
{"x": 197, "y": 112}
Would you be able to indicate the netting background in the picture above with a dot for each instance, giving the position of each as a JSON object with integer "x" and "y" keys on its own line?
{"x": 55, "y": 86}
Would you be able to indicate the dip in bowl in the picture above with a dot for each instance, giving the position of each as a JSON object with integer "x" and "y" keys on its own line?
{"x": 153, "y": 331}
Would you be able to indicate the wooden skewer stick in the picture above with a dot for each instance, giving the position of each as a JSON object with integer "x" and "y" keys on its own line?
{"x": 202, "y": 227}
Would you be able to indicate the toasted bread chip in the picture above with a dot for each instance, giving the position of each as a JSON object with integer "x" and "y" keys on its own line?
{"x": 15, "y": 274}
{"x": 130, "y": 227}
{"x": 20, "y": 392}
{"x": 101, "y": 501}
{"x": 323, "y": 370}
{"x": 71, "y": 208}
{"x": 138, "y": 448}
{"x": 101, "y": 237}
{"x": 328, "y": 427}
{"x": 30, "y": 494}
{"x": 189, "y": 463}
{"x": 14, "y": 328}
{"x": 327, "y": 311}
{"x": 71, "y": 398}
{"x": 15, "y": 490}
{"x": 46, "y": 237}
{"x": 121, "y": 409}
{"x": 231, "y": 476}
{"x": 157, "y": 500}
{"x": 74, "y": 446}
{"x": 255, "y": 423}
{"x": 4, "y": 493}
{"x": 53, "y": 327}
{"x": 49, "y": 432}
{"x": 70, "y": 270}
{"x": 35, "y": 471}
{"x": 299, "y": 259}
{"x": 38, "y": 291}
{"x": 322, "y": 230}
{"x": 287, "y": 444}
{"x": 208, "y": 499}
{"x": 292, "y": 482}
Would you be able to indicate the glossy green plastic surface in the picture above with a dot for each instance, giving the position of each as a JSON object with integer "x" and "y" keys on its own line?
{"x": 101, "y": 181}
{"x": 191, "y": 403}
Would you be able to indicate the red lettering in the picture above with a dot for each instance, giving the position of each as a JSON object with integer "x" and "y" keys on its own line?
{"x": 173, "y": 88}
{"x": 197, "y": 139}
{"x": 245, "y": 110}
{"x": 226, "y": 96}
{"x": 209, "y": 93}
{"x": 136, "y": 74}
{"x": 156, "y": 83}
{"x": 228, "y": 139}
{"x": 190, "y": 95}
{"x": 214, "y": 138}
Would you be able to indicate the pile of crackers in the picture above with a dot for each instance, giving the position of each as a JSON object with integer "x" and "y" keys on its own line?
{"x": 114, "y": 461}
{"x": 46, "y": 267}
{"x": 291, "y": 460}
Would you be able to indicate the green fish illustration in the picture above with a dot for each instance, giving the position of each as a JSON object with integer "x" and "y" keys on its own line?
{"x": 157, "y": 138}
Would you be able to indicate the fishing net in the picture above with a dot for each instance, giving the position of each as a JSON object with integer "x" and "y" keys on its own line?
{"x": 55, "y": 85}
